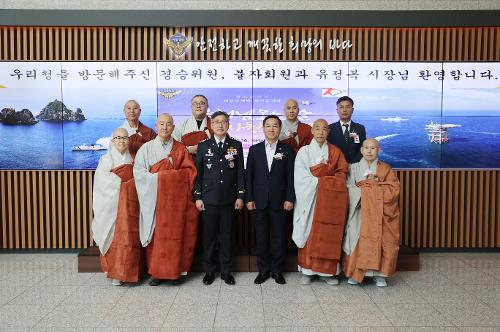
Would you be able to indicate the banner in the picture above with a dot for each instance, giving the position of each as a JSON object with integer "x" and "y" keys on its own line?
{"x": 60, "y": 115}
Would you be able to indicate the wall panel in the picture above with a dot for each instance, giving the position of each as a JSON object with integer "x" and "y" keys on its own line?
{"x": 439, "y": 208}
{"x": 147, "y": 44}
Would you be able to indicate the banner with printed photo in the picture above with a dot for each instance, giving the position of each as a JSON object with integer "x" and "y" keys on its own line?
{"x": 396, "y": 102}
{"x": 471, "y": 115}
{"x": 28, "y": 140}
{"x": 59, "y": 115}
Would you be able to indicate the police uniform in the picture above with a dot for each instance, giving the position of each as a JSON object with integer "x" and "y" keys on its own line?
{"x": 220, "y": 181}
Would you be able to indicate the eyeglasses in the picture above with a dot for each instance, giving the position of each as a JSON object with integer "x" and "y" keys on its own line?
{"x": 121, "y": 138}
{"x": 201, "y": 103}
{"x": 219, "y": 123}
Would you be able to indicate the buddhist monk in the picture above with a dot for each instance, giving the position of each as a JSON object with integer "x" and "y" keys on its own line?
{"x": 197, "y": 127}
{"x": 138, "y": 133}
{"x": 165, "y": 175}
{"x": 293, "y": 132}
{"x": 115, "y": 226}
{"x": 371, "y": 242}
{"x": 321, "y": 207}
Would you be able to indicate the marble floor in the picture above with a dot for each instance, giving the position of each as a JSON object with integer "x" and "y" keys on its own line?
{"x": 451, "y": 292}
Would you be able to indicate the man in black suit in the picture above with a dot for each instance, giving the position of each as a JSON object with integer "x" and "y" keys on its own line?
{"x": 345, "y": 133}
{"x": 271, "y": 194}
{"x": 219, "y": 190}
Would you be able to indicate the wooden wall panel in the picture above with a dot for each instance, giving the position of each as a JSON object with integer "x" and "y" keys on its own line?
{"x": 439, "y": 209}
{"x": 147, "y": 44}
{"x": 45, "y": 209}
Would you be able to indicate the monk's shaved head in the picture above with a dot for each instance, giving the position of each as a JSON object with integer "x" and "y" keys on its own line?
{"x": 368, "y": 141}
{"x": 120, "y": 132}
{"x": 320, "y": 130}
{"x": 164, "y": 126}
{"x": 291, "y": 110}
{"x": 320, "y": 122}
{"x": 370, "y": 149}
{"x": 119, "y": 139}
{"x": 132, "y": 111}
{"x": 165, "y": 117}
{"x": 292, "y": 102}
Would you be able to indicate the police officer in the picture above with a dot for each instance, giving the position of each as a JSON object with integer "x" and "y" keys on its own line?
{"x": 219, "y": 191}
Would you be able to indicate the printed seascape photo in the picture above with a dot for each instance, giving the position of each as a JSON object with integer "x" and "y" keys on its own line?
{"x": 66, "y": 124}
{"x": 403, "y": 121}
{"x": 471, "y": 102}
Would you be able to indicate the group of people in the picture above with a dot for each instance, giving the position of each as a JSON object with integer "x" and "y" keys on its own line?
{"x": 344, "y": 199}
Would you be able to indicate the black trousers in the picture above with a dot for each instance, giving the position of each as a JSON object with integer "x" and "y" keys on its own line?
{"x": 217, "y": 225}
{"x": 269, "y": 221}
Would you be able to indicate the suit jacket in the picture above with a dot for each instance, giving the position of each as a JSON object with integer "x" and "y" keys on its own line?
{"x": 270, "y": 188}
{"x": 220, "y": 181}
{"x": 351, "y": 150}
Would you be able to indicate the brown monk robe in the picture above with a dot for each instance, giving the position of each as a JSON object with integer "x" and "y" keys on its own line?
{"x": 171, "y": 250}
{"x": 303, "y": 136}
{"x": 371, "y": 241}
{"x": 321, "y": 206}
{"x": 322, "y": 250}
{"x": 143, "y": 134}
{"x": 123, "y": 261}
{"x": 293, "y": 132}
{"x": 115, "y": 224}
{"x": 164, "y": 176}
{"x": 195, "y": 128}
{"x": 195, "y": 137}
{"x": 138, "y": 133}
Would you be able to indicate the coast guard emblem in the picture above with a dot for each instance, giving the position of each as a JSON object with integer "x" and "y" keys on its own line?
{"x": 178, "y": 44}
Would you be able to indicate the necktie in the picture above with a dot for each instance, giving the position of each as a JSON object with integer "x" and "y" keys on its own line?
{"x": 219, "y": 146}
{"x": 346, "y": 132}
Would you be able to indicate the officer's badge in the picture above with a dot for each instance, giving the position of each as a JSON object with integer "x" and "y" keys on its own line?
{"x": 209, "y": 153}
{"x": 231, "y": 164}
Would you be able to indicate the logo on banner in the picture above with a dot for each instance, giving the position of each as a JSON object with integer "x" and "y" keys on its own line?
{"x": 178, "y": 44}
{"x": 330, "y": 92}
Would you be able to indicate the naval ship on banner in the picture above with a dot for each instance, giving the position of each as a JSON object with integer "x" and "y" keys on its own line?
{"x": 438, "y": 133}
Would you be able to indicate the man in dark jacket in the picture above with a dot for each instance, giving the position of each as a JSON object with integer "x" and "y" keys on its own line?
{"x": 271, "y": 194}
{"x": 345, "y": 133}
{"x": 219, "y": 190}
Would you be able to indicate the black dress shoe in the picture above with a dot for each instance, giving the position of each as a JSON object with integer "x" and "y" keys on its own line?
{"x": 228, "y": 278}
{"x": 261, "y": 277}
{"x": 278, "y": 277}
{"x": 209, "y": 278}
{"x": 154, "y": 282}
{"x": 176, "y": 282}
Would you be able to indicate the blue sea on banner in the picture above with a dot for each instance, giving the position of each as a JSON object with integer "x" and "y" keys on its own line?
{"x": 405, "y": 144}
{"x": 88, "y": 132}
{"x": 39, "y": 146}
{"x": 48, "y": 145}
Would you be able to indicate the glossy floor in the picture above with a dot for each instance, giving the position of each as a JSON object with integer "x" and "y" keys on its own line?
{"x": 451, "y": 292}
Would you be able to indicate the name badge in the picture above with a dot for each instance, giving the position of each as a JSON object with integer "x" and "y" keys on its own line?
{"x": 355, "y": 137}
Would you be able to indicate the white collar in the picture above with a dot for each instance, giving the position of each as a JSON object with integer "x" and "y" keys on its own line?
{"x": 269, "y": 145}
{"x": 223, "y": 140}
